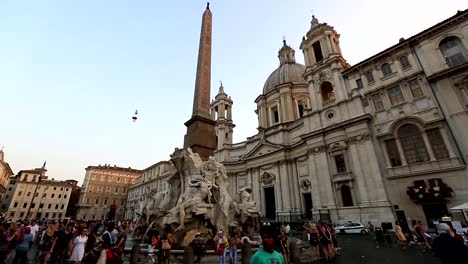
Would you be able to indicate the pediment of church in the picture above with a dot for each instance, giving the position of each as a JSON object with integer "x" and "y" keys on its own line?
{"x": 263, "y": 148}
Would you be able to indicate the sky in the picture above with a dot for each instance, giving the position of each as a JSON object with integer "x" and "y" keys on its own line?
{"x": 72, "y": 73}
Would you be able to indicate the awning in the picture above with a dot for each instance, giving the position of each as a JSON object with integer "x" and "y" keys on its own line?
{"x": 460, "y": 207}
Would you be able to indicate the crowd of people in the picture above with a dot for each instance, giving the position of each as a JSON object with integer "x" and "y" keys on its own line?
{"x": 59, "y": 242}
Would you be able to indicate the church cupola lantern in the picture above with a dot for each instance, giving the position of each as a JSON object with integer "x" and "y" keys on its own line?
{"x": 286, "y": 54}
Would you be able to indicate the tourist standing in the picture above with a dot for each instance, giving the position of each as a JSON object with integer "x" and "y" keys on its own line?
{"x": 166, "y": 246}
{"x": 314, "y": 238}
{"x": 77, "y": 248}
{"x": 221, "y": 245}
{"x": 233, "y": 242}
{"x": 401, "y": 237}
{"x": 267, "y": 254}
{"x": 283, "y": 246}
{"x": 3, "y": 244}
{"x": 199, "y": 248}
{"x": 25, "y": 240}
{"x": 121, "y": 240}
{"x": 45, "y": 244}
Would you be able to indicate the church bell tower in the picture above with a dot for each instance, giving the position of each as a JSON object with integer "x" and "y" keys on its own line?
{"x": 221, "y": 112}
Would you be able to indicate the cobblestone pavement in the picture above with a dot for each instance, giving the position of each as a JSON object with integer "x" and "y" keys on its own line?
{"x": 355, "y": 249}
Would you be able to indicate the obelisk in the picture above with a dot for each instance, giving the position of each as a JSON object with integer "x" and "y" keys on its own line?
{"x": 201, "y": 137}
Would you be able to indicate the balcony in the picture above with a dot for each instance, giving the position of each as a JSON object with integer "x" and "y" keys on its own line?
{"x": 343, "y": 176}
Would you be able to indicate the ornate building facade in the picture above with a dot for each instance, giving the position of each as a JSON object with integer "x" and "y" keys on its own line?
{"x": 5, "y": 174}
{"x": 384, "y": 139}
{"x": 152, "y": 183}
{"x": 104, "y": 192}
{"x": 37, "y": 197}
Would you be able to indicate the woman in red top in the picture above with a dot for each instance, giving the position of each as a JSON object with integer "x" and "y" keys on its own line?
{"x": 233, "y": 242}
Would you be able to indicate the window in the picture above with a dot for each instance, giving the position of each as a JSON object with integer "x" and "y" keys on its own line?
{"x": 453, "y": 50}
{"x": 60, "y": 215}
{"x": 123, "y": 202}
{"x": 87, "y": 201}
{"x": 28, "y": 194}
{"x": 340, "y": 163}
{"x": 21, "y": 214}
{"x": 124, "y": 190}
{"x": 359, "y": 83}
{"x": 90, "y": 189}
{"x": 60, "y": 196}
{"x": 105, "y": 201}
{"x": 33, "y": 205}
{"x": 393, "y": 154}
{"x": 55, "y": 188}
{"x": 44, "y": 195}
{"x": 395, "y": 95}
{"x": 317, "y": 51}
{"x": 25, "y": 205}
{"x": 53, "y": 215}
{"x": 103, "y": 177}
{"x": 99, "y": 189}
{"x": 97, "y": 201}
{"x": 404, "y": 62}
{"x": 415, "y": 88}
{"x": 386, "y": 69}
{"x": 53, "y": 195}
{"x": 49, "y": 206}
{"x": 369, "y": 77}
{"x": 116, "y": 189}
{"x": 36, "y": 194}
{"x": 413, "y": 144}
{"x": 41, "y": 205}
{"x": 346, "y": 196}
{"x": 20, "y": 193}
{"x": 63, "y": 206}
{"x": 300, "y": 107}
{"x": 9, "y": 189}
{"x": 437, "y": 144}
{"x": 56, "y": 206}
{"x": 93, "y": 177}
{"x": 377, "y": 101}
{"x": 125, "y": 180}
{"x": 15, "y": 205}
{"x": 108, "y": 189}
{"x": 328, "y": 94}
{"x": 47, "y": 215}
{"x": 275, "y": 114}
{"x": 110, "y": 178}
{"x": 65, "y": 196}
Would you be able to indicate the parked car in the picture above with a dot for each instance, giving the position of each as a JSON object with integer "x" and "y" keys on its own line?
{"x": 352, "y": 228}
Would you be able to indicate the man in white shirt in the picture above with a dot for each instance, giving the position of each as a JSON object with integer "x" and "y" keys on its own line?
{"x": 34, "y": 229}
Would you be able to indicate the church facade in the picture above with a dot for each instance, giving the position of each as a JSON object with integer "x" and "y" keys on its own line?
{"x": 383, "y": 140}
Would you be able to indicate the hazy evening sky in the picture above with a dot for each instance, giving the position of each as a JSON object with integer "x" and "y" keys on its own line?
{"x": 73, "y": 72}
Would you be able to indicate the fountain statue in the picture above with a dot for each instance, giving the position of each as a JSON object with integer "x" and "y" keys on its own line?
{"x": 198, "y": 201}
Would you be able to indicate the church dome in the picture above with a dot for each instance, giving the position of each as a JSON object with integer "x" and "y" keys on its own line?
{"x": 288, "y": 72}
